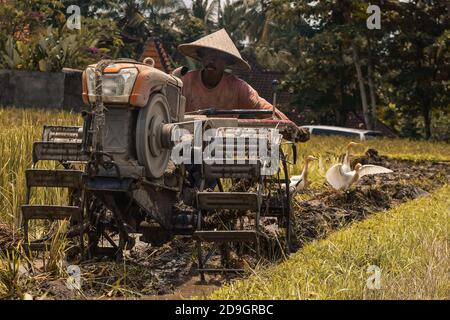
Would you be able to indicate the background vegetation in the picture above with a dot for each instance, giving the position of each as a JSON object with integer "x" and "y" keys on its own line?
{"x": 334, "y": 64}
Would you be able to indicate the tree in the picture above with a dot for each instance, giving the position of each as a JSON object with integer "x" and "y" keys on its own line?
{"x": 400, "y": 70}
{"x": 49, "y": 45}
{"x": 322, "y": 43}
{"x": 231, "y": 17}
{"x": 419, "y": 58}
{"x": 92, "y": 8}
{"x": 369, "y": 121}
{"x": 206, "y": 11}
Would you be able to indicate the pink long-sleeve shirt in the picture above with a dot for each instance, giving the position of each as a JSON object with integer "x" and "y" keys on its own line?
{"x": 230, "y": 93}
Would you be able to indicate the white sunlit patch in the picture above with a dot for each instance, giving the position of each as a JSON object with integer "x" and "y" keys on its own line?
{"x": 374, "y": 280}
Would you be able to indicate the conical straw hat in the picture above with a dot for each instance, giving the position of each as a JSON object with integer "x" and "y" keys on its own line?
{"x": 220, "y": 41}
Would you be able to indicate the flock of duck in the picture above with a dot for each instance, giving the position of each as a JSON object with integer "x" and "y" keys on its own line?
{"x": 340, "y": 176}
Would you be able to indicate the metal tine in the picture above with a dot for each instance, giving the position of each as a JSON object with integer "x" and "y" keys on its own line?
{"x": 227, "y": 200}
{"x": 51, "y": 212}
{"x": 53, "y": 178}
{"x": 58, "y": 151}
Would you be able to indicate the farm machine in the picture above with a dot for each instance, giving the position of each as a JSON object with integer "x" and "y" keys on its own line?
{"x": 123, "y": 183}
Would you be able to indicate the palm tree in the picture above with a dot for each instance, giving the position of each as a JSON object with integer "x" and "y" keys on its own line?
{"x": 155, "y": 15}
{"x": 230, "y": 17}
{"x": 205, "y": 10}
{"x": 274, "y": 44}
{"x": 139, "y": 19}
{"x": 257, "y": 20}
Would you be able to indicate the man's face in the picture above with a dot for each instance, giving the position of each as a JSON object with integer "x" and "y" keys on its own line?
{"x": 214, "y": 61}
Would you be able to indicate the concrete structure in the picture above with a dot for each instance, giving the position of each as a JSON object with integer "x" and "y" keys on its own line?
{"x": 40, "y": 89}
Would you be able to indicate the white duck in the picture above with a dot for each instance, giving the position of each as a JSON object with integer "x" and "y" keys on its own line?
{"x": 339, "y": 179}
{"x": 300, "y": 182}
{"x": 346, "y": 163}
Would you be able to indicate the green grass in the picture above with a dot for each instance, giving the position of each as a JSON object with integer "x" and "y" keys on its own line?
{"x": 406, "y": 149}
{"x": 412, "y": 149}
{"x": 410, "y": 244}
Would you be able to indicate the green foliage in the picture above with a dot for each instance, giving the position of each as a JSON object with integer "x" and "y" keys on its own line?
{"x": 402, "y": 68}
{"x": 50, "y": 45}
{"x": 231, "y": 17}
{"x": 92, "y": 8}
{"x": 405, "y": 61}
{"x": 205, "y": 10}
{"x": 16, "y": 55}
{"x": 418, "y": 59}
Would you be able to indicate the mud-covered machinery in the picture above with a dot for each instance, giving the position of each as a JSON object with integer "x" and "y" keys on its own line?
{"x": 121, "y": 180}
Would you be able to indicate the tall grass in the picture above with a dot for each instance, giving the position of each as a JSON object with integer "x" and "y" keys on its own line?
{"x": 410, "y": 244}
{"x": 11, "y": 283}
{"x": 19, "y": 128}
{"x": 396, "y": 148}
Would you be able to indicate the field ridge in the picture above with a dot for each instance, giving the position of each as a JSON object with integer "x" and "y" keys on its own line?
{"x": 409, "y": 243}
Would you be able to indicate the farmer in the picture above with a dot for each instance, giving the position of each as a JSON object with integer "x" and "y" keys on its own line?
{"x": 213, "y": 87}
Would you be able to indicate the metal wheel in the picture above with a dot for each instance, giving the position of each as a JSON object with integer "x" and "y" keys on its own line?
{"x": 107, "y": 235}
{"x": 151, "y": 152}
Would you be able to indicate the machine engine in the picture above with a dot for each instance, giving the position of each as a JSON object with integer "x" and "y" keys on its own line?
{"x": 121, "y": 178}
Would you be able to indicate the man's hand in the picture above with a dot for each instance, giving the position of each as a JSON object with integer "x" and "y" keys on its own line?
{"x": 296, "y": 134}
{"x": 303, "y": 135}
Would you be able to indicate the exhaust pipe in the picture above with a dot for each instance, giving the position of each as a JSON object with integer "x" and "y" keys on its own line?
{"x": 179, "y": 72}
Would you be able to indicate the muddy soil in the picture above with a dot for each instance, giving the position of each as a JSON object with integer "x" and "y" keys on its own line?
{"x": 325, "y": 211}
{"x": 169, "y": 272}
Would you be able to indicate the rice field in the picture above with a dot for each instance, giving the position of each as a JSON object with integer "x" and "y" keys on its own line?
{"x": 407, "y": 246}
{"x": 329, "y": 150}
{"x": 19, "y": 128}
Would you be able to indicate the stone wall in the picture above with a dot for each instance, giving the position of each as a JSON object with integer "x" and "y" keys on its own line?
{"x": 41, "y": 89}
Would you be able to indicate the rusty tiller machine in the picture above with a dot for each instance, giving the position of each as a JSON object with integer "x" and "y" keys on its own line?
{"x": 121, "y": 180}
